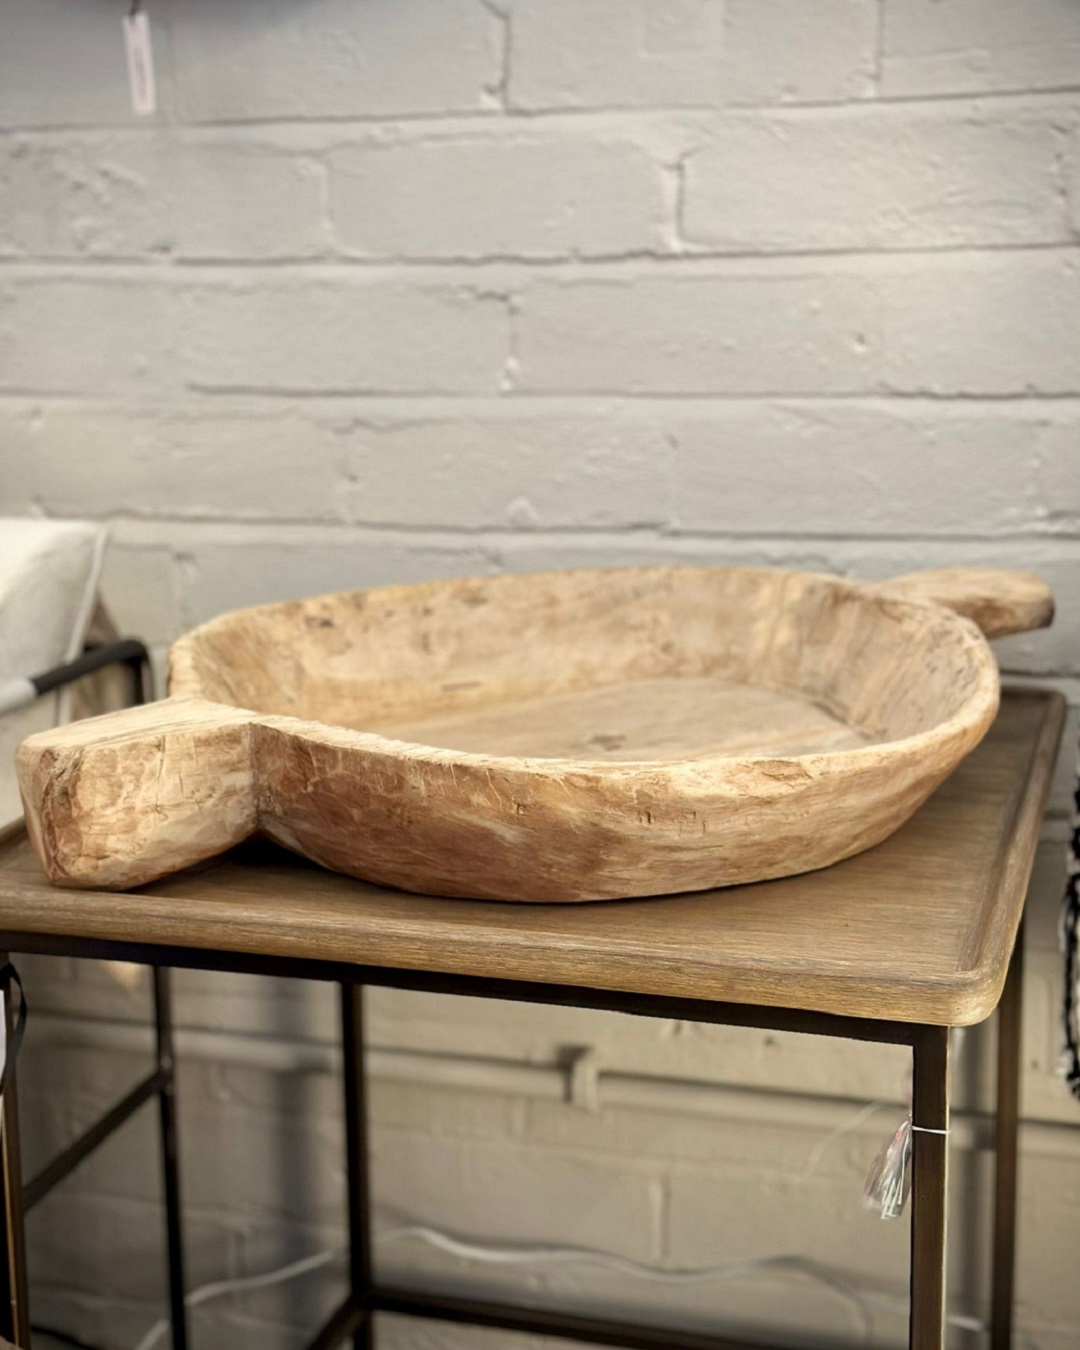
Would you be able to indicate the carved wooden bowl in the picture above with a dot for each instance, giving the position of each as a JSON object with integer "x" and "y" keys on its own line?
{"x": 568, "y": 736}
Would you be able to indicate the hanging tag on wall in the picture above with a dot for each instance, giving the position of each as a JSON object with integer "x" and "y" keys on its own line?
{"x": 140, "y": 61}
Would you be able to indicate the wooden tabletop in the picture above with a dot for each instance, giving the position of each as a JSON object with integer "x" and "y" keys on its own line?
{"x": 919, "y": 929}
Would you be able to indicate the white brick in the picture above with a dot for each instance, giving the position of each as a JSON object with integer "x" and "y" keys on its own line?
{"x": 993, "y": 323}
{"x": 819, "y": 1221}
{"x": 783, "y": 1212}
{"x": 519, "y": 196}
{"x": 865, "y": 468}
{"x": 1072, "y": 180}
{"x": 335, "y": 58}
{"x": 1058, "y": 474}
{"x": 509, "y": 470}
{"x": 1042, "y": 913}
{"x": 220, "y": 1328}
{"x": 780, "y": 1142}
{"x": 101, "y": 1244}
{"x": 305, "y": 1304}
{"x": 896, "y": 177}
{"x": 516, "y": 1193}
{"x": 983, "y": 324}
{"x": 694, "y": 53}
{"x": 620, "y": 53}
{"x": 348, "y": 333}
{"x": 133, "y": 195}
{"x": 783, "y": 51}
{"x": 172, "y": 460}
{"x": 970, "y": 46}
{"x": 262, "y": 1166}
{"x": 96, "y": 1318}
{"x": 80, "y": 334}
{"x": 228, "y": 572}
{"x": 407, "y": 1333}
{"x": 848, "y": 466}
{"x": 434, "y": 1023}
{"x": 216, "y": 1000}
{"x": 141, "y": 590}
{"x": 85, "y": 985}
{"x": 687, "y": 333}
{"x": 538, "y": 552}
{"x": 1049, "y": 1204}
{"x": 71, "y": 197}
{"x": 499, "y": 466}
{"x": 64, "y": 66}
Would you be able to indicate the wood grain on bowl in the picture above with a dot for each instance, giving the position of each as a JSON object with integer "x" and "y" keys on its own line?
{"x": 566, "y": 736}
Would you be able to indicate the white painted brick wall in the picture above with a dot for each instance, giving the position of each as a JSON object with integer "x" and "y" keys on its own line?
{"x": 571, "y": 195}
{"x": 919, "y": 175}
{"x": 341, "y": 332}
{"x": 128, "y": 195}
{"x": 965, "y": 46}
{"x": 388, "y": 291}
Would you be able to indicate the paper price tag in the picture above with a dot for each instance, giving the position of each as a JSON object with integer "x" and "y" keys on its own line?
{"x": 140, "y": 63}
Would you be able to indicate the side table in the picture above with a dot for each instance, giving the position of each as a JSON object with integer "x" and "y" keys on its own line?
{"x": 897, "y": 945}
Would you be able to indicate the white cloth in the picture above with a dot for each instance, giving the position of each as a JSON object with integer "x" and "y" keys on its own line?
{"x": 49, "y": 572}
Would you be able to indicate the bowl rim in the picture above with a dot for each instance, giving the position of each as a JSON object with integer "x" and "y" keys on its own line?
{"x": 963, "y": 728}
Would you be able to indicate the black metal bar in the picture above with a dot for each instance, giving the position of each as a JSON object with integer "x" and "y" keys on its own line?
{"x": 357, "y": 1172}
{"x": 476, "y": 986}
{"x": 341, "y": 1324}
{"x": 14, "y": 1298}
{"x": 570, "y": 1326}
{"x": 929, "y": 1182}
{"x": 127, "y": 652}
{"x": 170, "y": 1164}
{"x": 1006, "y": 1148}
{"x": 38, "y": 1187}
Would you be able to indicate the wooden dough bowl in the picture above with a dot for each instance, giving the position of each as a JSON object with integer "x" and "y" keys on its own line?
{"x": 567, "y": 736}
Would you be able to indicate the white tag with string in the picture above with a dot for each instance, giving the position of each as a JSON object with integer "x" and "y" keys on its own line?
{"x": 140, "y": 62}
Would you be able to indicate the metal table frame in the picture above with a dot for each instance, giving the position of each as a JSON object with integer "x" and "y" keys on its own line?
{"x": 18, "y": 1198}
{"x": 368, "y": 1295}
{"x": 354, "y": 1318}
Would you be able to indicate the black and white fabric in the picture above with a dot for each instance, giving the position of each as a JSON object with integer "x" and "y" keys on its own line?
{"x": 1070, "y": 941}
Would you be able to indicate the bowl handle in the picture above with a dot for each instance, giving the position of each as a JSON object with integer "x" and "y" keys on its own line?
{"x": 116, "y": 801}
{"x": 998, "y": 599}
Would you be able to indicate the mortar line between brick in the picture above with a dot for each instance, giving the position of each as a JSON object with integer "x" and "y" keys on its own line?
{"x": 500, "y": 90}
{"x": 655, "y": 533}
{"x": 373, "y": 409}
{"x": 515, "y": 113}
{"x": 693, "y": 260}
{"x": 223, "y": 392}
{"x": 199, "y": 398}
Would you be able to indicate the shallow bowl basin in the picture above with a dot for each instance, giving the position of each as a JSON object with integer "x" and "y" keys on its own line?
{"x": 566, "y": 736}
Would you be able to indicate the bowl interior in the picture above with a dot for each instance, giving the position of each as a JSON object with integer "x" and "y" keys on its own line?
{"x": 626, "y": 664}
